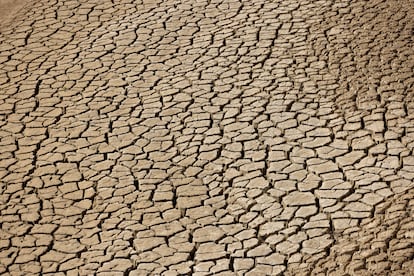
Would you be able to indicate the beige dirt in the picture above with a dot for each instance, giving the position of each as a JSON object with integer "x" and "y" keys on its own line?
{"x": 225, "y": 137}
{"x": 9, "y": 8}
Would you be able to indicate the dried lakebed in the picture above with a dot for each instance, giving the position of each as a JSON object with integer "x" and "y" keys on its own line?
{"x": 207, "y": 138}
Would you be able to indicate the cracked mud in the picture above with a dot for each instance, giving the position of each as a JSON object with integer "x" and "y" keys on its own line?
{"x": 207, "y": 138}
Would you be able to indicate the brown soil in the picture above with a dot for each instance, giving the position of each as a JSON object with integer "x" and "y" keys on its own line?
{"x": 8, "y": 9}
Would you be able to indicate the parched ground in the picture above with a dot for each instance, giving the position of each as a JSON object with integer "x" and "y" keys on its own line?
{"x": 207, "y": 137}
{"x": 9, "y": 9}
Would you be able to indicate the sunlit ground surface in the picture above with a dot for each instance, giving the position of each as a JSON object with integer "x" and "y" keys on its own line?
{"x": 207, "y": 137}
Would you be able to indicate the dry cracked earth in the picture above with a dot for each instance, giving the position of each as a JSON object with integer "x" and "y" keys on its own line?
{"x": 207, "y": 137}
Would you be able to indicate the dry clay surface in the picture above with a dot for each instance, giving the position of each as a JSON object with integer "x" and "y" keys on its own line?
{"x": 9, "y": 9}
{"x": 207, "y": 137}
